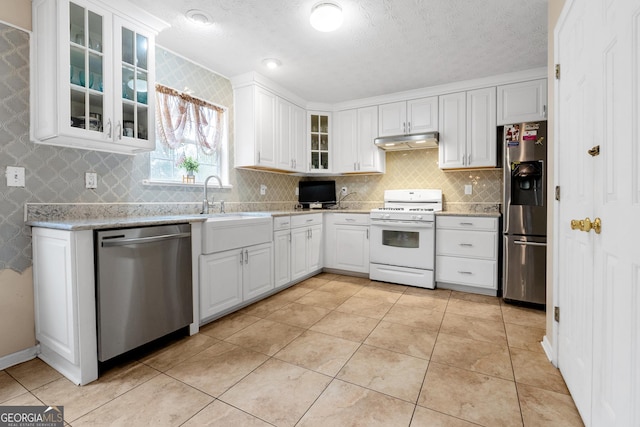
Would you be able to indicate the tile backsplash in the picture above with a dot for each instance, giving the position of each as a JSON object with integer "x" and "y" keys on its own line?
{"x": 56, "y": 175}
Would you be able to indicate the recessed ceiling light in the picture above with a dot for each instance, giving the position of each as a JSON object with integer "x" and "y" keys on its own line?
{"x": 200, "y": 17}
{"x": 326, "y": 16}
{"x": 271, "y": 63}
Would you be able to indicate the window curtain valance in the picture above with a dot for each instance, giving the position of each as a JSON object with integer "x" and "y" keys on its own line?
{"x": 179, "y": 114}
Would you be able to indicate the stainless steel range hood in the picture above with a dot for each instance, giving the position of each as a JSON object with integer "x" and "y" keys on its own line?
{"x": 408, "y": 142}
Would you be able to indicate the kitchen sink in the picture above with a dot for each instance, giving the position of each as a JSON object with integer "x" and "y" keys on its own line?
{"x": 227, "y": 231}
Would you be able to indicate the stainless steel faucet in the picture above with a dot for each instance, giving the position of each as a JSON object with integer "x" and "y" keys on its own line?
{"x": 205, "y": 202}
{"x": 340, "y": 199}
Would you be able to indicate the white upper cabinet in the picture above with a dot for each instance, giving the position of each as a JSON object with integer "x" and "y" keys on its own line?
{"x": 354, "y": 150}
{"x": 467, "y": 124}
{"x": 408, "y": 117}
{"x": 290, "y": 140}
{"x": 93, "y": 76}
{"x": 269, "y": 131}
{"x": 319, "y": 126}
{"x": 255, "y": 127}
{"x": 522, "y": 102}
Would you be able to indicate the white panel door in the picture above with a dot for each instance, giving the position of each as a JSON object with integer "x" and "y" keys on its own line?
{"x": 350, "y": 247}
{"x": 298, "y": 138}
{"x": 314, "y": 248}
{"x": 284, "y": 137}
{"x": 257, "y": 273}
{"x": 54, "y": 292}
{"x": 370, "y": 157}
{"x": 452, "y": 123}
{"x": 393, "y": 119}
{"x": 282, "y": 257}
{"x": 482, "y": 143}
{"x": 617, "y": 257}
{"x": 299, "y": 237}
{"x": 422, "y": 115}
{"x": 597, "y": 275}
{"x": 220, "y": 282}
{"x": 522, "y": 102}
{"x": 574, "y": 248}
{"x": 266, "y": 127}
{"x": 345, "y": 156}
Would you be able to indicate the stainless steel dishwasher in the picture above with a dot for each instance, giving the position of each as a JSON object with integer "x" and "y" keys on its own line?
{"x": 143, "y": 285}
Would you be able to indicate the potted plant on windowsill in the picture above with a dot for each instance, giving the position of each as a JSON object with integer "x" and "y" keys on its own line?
{"x": 189, "y": 164}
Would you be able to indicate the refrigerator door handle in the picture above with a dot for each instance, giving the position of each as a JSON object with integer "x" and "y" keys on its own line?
{"x": 525, "y": 243}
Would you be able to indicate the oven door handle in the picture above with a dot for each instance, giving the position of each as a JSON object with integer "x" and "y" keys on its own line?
{"x": 387, "y": 223}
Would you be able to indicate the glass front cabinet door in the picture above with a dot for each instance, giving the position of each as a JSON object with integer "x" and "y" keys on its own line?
{"x": 319, "y": 132}
{"x": 94, "y": 94}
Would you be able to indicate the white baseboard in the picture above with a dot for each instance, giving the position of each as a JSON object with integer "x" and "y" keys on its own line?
{"x": 548, "y": 350}
{"x": 19, "y": 357}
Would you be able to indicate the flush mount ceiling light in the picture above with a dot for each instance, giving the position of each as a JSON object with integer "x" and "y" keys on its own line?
{"x": 271, "y": 63}
{"x": 199, "y": 17}
{"x": 326, "y": 16}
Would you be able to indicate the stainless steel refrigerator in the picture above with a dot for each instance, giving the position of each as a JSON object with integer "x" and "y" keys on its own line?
{"x": 525, "y": 213}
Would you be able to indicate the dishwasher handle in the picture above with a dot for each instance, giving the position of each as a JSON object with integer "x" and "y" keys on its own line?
{"x": 139, "y": 240}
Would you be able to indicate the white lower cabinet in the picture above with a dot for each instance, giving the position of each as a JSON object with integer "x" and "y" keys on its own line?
{"x": 65, "y": 304}
{"x": 347, "y": 243}
{"x": 467, "y": 253}
{"x": 228, "y": 278}
{"x": 282, "y": 251}
{"x": 306, "y": 245}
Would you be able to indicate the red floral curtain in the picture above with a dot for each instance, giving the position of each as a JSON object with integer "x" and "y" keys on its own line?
{"x": 179, "y": 114}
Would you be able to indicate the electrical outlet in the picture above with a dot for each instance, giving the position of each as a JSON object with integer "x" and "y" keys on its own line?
{"x": 15, "y": 176}
{"x": 263, "y": 189}
{"x": 343, "y": 191}
{"x": 91, "y": 180}
{"x": 468, "y": 189}
{"x": 297, "y": 191}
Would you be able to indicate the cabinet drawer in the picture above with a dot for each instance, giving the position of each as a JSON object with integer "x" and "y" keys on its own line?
{"x": 467, "y": 223}
{"x": 304, "y": 220}
{"x": 281, "y": 223}
{"x": 466, "y": 243}
{"x": 465, "y": 271}
{"x": 349, "y": 219}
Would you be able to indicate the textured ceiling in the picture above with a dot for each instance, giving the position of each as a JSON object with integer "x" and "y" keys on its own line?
{"x": 384, "y": 46}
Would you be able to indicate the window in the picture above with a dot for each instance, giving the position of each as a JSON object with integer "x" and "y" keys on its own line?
{"x": 188, "y": 127}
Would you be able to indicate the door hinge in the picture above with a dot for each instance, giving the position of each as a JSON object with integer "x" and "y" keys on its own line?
{"x": 557, "y": 192}
{"x": 556, "y": 314}
{"x": 557, "y": 71}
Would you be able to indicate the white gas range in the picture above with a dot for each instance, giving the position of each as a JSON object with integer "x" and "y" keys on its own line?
{"x": 402, "y": 243}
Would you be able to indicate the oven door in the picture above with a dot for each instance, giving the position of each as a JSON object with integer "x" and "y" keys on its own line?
{"x": 402, "y": 243}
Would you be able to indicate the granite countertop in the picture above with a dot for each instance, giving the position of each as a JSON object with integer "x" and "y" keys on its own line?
{"x": 103, "y": 223}
{"x": 137, "y": 221}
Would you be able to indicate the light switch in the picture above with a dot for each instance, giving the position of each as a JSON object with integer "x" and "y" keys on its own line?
{"x": 468, "y": 189}
{"x": 15, "y": 176}
{"x": 91, "y": 180}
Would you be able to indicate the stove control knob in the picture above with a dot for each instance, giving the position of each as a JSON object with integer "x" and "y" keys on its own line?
{"x": 386, "y": 216}
{"x": 416, "y": 217}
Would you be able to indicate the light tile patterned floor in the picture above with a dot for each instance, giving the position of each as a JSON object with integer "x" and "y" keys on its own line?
{"x": 330, "y": 351}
